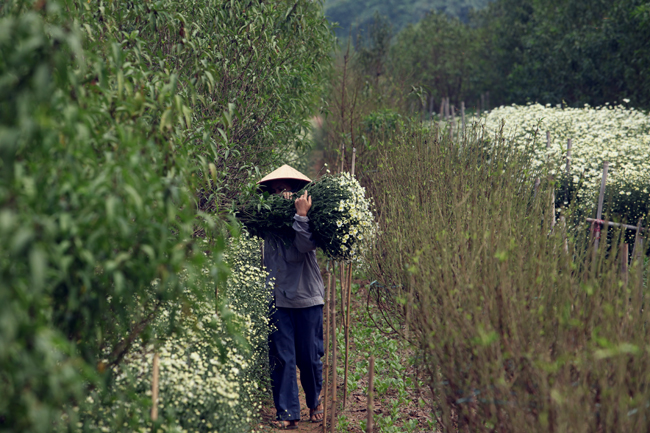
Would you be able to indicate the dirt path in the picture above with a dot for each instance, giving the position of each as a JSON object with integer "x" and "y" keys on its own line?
{"x": 398, "y": 407}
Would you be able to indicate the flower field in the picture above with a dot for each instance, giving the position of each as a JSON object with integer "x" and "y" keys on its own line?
{"x": 617, "y": 134}
{"x": 213, "y": 373}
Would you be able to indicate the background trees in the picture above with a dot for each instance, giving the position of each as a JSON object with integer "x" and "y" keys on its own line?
{"x": 562, "y": 51}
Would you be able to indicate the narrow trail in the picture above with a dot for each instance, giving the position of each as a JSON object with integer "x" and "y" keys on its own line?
{"x": 351, "y": 418}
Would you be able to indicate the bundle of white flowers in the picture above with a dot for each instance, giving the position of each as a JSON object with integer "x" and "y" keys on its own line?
{"x": 616, "y": 134}
{"x": 340, "y": 218}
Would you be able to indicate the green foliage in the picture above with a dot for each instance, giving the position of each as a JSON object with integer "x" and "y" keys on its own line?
{"x": 520, "y": 326}
{"x": 98, "y": 225}
{"x": 385, "y": 120}
{"x": 252, "y": 72}
{"x": 565, "y": 51}
{"x": 441, "y": 54}
{"x": 575, "y": 51}
{"x": 120, "y": 123}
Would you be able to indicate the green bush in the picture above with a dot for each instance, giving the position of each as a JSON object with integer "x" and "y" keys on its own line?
{"x": 519, "y": 326}
{"x": 117, "y": 121}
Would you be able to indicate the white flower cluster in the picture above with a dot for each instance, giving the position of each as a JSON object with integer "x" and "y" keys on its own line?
{"x": 213, "y": 375}
{"x": 616, "y": 134}
{"x": 356, "y": 226}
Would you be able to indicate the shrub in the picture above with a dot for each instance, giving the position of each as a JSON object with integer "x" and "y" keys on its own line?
{"x": 519, "y": 326}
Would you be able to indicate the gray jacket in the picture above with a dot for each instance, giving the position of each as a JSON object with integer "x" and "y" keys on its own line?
{"x": 296, "y": 277}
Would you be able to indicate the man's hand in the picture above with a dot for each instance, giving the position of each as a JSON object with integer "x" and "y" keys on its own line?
{"x": 303, "y": 204}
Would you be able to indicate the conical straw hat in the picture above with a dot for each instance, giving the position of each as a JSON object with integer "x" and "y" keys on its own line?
{"x": 285, "y": 172}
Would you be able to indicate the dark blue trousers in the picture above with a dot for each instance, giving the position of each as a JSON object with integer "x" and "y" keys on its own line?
{"x": 297, "y": 341}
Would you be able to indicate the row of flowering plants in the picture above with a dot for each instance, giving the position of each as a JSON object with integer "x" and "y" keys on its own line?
{"x": 213, "y": 371}
{"x": 614, "y": 133}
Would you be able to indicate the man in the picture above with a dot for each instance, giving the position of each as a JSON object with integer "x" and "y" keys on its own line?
{"x": 298, "y": 292}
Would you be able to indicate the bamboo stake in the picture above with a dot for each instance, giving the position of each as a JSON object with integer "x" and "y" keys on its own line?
{"x": 566, "y": 240}
{"x": 347, "y": 333}
{"x": 371, "y": 403}
{"x": 462, "y": 113}
{"x": 447, "y": 108}
{"x": 601, "y": 198}
{"x": 154, "y": 389}
{"x": 639, "y": 269}
{"x": 625, "y": 253}
{"x": 568, "y": 157}
{"x": 326, "y": 344}
{"x": 343, "y": 279}
{"x": 613, "y": 224}
{"x": 638, "y": 252}
{"x": 333, "y": 312}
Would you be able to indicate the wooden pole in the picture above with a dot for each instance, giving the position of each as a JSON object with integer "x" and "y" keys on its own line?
{"x": 154, "y": 388}
{"x": 601, "y": 199}
{"x": 639, "y": 269}
{"x": 637, "y": 236}
{"x": 333, "y": 312}
{"x": 624, "y": 258}
{"x": 342, "y": 158}
{"x": 639, "y": 253}
{"x": 536, "y": 187}
{"x": 566, "y": 240}
{"x": 326, "y": 344}
{"x": 548, "y": 139}
{"x": 462, "y": 113}
{"x": 371, "y": 403}
{"x": 613, "y": 224}
{"x": 347, "y": 333}
{"x": 342, "y": 285}
{"x": 354, "y": 158}
{"x": 568, "y": 157}
{"x": 447, "y": 108}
